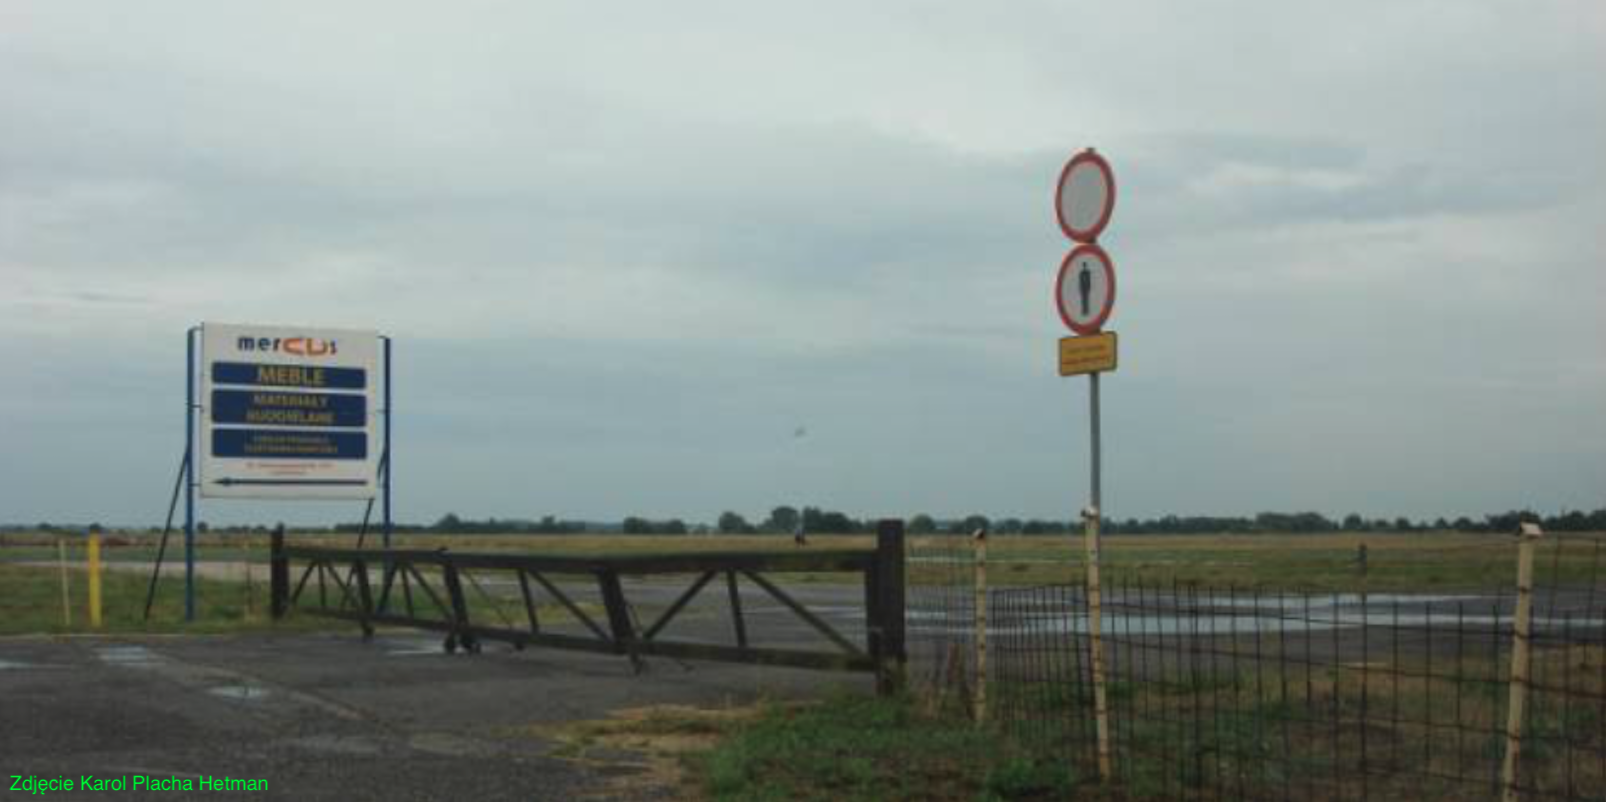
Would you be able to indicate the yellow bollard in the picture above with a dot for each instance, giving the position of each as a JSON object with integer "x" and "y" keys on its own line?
{"x": 94, "y": 581}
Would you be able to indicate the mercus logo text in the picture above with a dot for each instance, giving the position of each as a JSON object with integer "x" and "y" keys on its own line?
{"x": 298, "y": 346}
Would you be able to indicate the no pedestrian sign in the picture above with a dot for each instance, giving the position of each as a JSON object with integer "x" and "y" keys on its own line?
{"x": 1085, "y": 289}
{"x": 289, "y": 412}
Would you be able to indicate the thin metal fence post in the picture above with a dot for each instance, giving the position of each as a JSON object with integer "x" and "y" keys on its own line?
{"x": 1527, "y": 536}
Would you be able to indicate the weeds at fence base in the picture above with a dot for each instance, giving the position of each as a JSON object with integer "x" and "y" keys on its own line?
{"x": 859, "y": 747}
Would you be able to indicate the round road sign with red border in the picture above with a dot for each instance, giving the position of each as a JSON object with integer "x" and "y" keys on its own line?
{"x": 1085, "y": 196}
{"x": 1084, "y": 292}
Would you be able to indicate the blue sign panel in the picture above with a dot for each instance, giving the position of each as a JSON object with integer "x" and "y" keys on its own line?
{"x": 289, "y": 444}
{"x": 261, "y": 375}
{"x": 274, "y": 408}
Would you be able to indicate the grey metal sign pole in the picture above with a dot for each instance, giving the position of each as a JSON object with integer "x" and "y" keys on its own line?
{"x": 1093, "y": 405}
{"x": 1084, "y": 293}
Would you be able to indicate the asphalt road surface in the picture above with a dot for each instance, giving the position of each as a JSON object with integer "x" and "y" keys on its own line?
{"x": 334, "y": 717}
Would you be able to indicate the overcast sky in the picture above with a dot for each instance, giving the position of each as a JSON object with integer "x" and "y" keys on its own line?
{"x": 626, "y": 250}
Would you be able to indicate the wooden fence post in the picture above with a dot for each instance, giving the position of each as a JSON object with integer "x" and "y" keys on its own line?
{"x": 250, "y": 589}
{"x": 278, "y": 575}
{"x": 66, "y": 593}
{"x": 981, "y": 625}
{"x": 886, "y": 619}
{"x": 1521, "y": 625}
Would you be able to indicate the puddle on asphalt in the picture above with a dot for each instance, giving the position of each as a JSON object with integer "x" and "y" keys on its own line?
{"x": 1117, "y": 624}
{"x": 243, "y": 693}
{"x": 7, "y": 665}
{"x": 447, "y": 744}
{"x": 338, "y": 744}
{"x": 128, "y": 655}
{"x": 412, "y": 648}
{"x": 1209, "y": 616}
{"x": 847, "y": 611}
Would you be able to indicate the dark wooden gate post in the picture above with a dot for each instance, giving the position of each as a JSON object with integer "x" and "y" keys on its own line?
{"x": 619, "y": 624}
{"x": 365, "y": 598}
{"x": 460, "y": 635}
{"x": 278, "y": 575}
{"x": 885, "y": 588}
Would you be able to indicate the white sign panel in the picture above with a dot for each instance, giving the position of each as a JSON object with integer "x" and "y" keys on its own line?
{"x": 1085, "y": 197}
{"x": 288, "y": 412}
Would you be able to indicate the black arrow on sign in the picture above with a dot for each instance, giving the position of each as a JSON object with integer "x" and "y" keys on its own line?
{"x": 228, "y": 481}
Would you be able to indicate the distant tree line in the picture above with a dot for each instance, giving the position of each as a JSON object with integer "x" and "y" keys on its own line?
{"x": 451, "y": 524}
{"x": 785, "y": 520}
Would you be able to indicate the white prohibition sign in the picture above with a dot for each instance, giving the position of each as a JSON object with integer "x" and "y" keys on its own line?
{"x": 1085, "y": 197}
{"x": 1084, "y": 292}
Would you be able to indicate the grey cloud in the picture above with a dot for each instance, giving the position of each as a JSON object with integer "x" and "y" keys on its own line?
{"x": 1293, "y": 182}
{"x": 625, "y": 254}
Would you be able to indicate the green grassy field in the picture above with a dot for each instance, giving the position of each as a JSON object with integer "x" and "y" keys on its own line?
{"x": 1406, "y": 562}
{"x": 1220, "y": 736}
{"x": 857, "y": 747}
{"x": 1440, "y": 561}
{"x": 32, "y": 604}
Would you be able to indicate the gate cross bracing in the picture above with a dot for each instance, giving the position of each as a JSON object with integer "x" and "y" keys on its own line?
{"x": 425, "y": 589}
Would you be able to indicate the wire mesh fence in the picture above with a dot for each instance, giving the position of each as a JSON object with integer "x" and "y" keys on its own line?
{"x": 1244, "y": 693}
{"x": 940, "y": 608}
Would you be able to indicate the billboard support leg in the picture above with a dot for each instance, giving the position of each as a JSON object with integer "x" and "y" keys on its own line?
{"x": 189, "y": 476}
{"x": 167, "y": 528}
{"x": 385, "y": 455}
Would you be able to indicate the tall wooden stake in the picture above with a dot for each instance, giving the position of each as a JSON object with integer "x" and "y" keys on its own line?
{"x": 981, "y": 625}
{"x": 1520, "y": 657}
{"x": 66, "y": 594}
{"x": 1095, "y": 602}
{"x": 250, "y": 605}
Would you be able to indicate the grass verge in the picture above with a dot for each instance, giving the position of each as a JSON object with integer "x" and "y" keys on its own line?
{"x": 32, "y": 604}
{"x": 857, "y": 747}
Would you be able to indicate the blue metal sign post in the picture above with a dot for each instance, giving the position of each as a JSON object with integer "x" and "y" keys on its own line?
{"x": 189, "y": 474}
{"x": 384, "y": 458}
